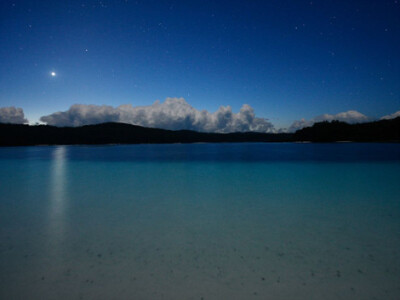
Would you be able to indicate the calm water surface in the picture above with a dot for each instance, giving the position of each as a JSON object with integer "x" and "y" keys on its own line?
{"x": 204, "y": 221}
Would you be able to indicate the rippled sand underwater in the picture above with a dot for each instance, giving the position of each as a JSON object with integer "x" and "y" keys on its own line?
{"x": 200, "y": 222}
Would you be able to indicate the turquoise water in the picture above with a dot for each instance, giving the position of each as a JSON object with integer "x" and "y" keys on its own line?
{"x": 205, "y": 221}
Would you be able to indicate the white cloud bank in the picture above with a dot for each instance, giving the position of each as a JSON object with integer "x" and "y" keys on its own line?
{"x": 13, "y": 115}
{"x": 351, "y": 116}
{"x": 173, "y": 113}
{"x": 392, "y": 116}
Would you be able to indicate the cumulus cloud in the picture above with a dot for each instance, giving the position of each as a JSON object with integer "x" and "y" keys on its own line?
{"x": 392, "y": 116}
{"x": 299, "y": 124}
{"x": 351, "y": 116}
{"x": 80, "y": 114}
{"x": 173, "y": 113}
{"x": 12, "y": 115}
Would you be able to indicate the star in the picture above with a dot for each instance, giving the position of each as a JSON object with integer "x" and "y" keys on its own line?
{"x": 53, "y": 74}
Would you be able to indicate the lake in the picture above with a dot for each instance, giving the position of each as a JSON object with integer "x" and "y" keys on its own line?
{"x": 200, "y": 221}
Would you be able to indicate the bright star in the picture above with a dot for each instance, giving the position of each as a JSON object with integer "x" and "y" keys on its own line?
{"x": 53, "y": 74}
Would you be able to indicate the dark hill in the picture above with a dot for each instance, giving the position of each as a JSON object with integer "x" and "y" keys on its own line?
{"x": 379, "y": 131}
{"x": 119, "y": 133}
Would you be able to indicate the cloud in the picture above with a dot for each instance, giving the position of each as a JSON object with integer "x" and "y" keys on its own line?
{"x": 173, "y": 113}
{"x": 299, "y": 124}
{"x": 80, "y": 114}
{"x": 12, "y": 115}
{"x": 392, "y": 116}
{"x": 351, "y": 116}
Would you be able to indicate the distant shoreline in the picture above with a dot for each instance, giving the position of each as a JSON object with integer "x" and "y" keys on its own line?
{"x": 387, "y": 131}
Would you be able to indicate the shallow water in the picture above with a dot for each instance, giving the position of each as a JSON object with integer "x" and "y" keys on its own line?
{"x": 204, "y": 221}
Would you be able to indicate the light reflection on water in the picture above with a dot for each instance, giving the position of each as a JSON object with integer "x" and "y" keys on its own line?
{"x": 57, "y": 198}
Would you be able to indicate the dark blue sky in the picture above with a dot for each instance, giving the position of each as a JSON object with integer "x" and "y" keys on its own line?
{"x": 286, "y": 59}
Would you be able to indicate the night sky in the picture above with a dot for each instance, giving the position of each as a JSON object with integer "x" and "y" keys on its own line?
{"x": 287, "y": 60}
